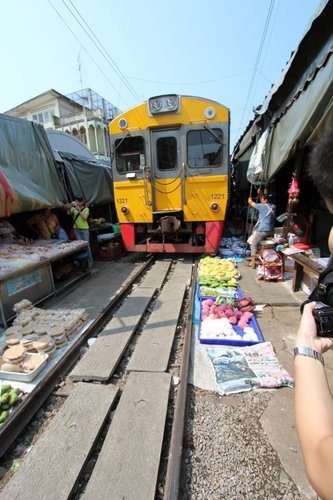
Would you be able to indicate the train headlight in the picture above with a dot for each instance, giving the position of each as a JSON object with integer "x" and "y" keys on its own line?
{"x": 124, "y": 210}
{"x": 210, "y": 112}
{"x": 163, "y": 104}
{"x": 122, "y": 123}
{"x": 214, "y": 207}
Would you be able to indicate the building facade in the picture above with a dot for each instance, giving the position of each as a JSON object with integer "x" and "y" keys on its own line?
{"x": 83, "y": 114}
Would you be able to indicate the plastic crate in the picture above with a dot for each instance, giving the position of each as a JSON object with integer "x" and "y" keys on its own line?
{"x": 230, "y": 341}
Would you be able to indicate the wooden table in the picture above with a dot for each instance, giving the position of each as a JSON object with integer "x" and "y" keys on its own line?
{"x": 303, "y": 265}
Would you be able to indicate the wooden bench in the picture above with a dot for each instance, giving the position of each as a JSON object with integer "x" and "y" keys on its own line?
{"x": 303, "y": 266}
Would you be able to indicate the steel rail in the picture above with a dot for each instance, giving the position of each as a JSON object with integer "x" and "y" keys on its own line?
{"x": 29, "y": 406}
{"x": 174, "y": 467}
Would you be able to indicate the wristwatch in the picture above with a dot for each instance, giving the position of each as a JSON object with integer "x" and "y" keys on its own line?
{"x": 306, "y": 351}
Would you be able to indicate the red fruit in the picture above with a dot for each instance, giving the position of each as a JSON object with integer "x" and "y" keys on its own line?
{"x": 247, "y": 308}
{"x": 233, "y": 320}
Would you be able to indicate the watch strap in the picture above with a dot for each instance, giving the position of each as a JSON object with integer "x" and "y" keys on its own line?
{"x": 307, "y": 351}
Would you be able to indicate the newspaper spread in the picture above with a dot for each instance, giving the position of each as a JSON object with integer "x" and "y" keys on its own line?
{"x": 239, "y": 369}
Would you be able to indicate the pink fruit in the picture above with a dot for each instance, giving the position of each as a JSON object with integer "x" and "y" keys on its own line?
{"x": 242, "y": 324}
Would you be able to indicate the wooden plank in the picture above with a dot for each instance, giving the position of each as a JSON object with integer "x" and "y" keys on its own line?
{"x": 51, "y": 469}
{"x": 103, "y": 356}
{"x": 127, "y": 467}
{"x": 297, "y": 277}
{"x": 303, "y": 265}
{"x": 303, "y": 260}
{"x": 153, "y": 348}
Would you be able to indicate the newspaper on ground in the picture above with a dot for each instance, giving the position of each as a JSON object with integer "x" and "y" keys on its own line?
{"x": 239, "y": 369}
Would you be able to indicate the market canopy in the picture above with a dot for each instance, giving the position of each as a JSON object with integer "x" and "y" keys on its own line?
{"x": 91, "y": 180}
{"x": 299, "y": 105}
{"x": 28, "y": 174}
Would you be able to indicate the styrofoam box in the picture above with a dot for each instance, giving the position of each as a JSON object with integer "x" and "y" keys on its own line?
{"x": 26, "y": 377}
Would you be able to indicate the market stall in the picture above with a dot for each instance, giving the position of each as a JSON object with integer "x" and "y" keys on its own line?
{"x": 29, "y": 271}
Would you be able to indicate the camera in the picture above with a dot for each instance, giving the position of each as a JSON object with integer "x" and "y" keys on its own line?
{"x": 73, "y": 204}
{"x": 323, "y": 316}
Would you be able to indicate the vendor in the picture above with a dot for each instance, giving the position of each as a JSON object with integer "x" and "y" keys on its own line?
{"x": 266, "y": 221}
{"x": 7, "y": 232}
{"x": 45, "y": 225}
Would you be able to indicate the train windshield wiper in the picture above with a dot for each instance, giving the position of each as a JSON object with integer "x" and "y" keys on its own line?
{"x": 214, "y": 134}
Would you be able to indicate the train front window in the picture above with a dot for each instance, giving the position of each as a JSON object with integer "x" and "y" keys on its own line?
{"x": 127, "y": 153}
{"x": 166, "y": 149}
{"x": 204, "y": 148}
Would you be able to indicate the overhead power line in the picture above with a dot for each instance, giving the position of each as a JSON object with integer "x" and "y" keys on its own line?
{"x": 100, "y": 47}
{"x": 87, "y": 52}
{"x": 262, "y": 42}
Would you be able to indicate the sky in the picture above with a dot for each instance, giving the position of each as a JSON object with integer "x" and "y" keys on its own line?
{"x": 230, "y": 51}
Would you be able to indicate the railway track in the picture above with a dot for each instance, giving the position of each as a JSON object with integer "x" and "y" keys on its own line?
{"x": 120, "y": 431}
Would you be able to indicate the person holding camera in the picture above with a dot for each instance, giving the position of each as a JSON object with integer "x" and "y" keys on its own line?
{"x": 313, "y": 398}
{"x": 80, "y": 214}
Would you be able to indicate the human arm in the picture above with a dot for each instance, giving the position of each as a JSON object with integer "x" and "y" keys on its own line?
{"x": 84, "y": 213}
{"x": 251, "y": 203}
{"x": 314, "y": 407}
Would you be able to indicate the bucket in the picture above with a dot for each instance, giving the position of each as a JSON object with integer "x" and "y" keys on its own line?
{"x": 116, "y": 228}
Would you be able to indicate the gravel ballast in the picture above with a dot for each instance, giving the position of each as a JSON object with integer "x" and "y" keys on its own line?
{"x": 227, "y": 454}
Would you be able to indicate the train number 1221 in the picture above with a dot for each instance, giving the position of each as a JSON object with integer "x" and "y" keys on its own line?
{"x": 217, "y": 196}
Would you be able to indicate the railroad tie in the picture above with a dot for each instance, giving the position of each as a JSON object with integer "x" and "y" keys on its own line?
{"x": 128, "y": 464}
{"x": 52, "y": 467}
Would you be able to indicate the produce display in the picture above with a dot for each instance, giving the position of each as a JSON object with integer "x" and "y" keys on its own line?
{"x": 36, "y": 331}
{"x": 14, "y": 257}
{"x": 8, "y": 399}
{"x": 217, "y": 274}
{"x": 226, "y": 316}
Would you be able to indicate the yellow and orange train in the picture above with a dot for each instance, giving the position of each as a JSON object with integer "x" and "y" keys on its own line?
{"x": 170, "y": 165}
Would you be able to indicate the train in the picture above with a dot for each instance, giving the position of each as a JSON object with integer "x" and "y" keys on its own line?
{"x": 170, "y": 167}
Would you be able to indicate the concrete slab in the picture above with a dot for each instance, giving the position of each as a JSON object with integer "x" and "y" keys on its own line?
{"x": 267, "y": 292}
{"x": 95, "y": 293}
{"x": 127, "y": 466}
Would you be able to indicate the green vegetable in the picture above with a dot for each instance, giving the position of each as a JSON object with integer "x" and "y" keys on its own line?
{"x": 13, "y": 398}
{"x": 5, "y": 388}
{"x": 4, "y": 398}
{"x": 3, "y": 416}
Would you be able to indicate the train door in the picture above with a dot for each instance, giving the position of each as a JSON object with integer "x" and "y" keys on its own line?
{"x": 167, "y": 171}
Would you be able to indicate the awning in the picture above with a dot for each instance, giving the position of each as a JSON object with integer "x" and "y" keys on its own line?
{"x": 297, "y": 126}
{"x": 28, "y": 175}
{"x": 90, "y": 180}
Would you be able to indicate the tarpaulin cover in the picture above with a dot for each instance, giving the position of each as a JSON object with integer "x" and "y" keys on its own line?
{"x": 299, "y": 105}
{"x": 90, "y": 180}
{"x": 28, "y": 172}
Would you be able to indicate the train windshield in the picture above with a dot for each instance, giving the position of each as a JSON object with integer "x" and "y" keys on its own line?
{"x": 127, "y": 153}
{"x": 204, "y": 148}
{"x": 166, "y": 148}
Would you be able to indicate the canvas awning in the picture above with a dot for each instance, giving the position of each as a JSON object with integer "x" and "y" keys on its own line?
{"x": 28, "y": 174}
{"x": 300, "y": 102}
{"x": 91, "y": 180}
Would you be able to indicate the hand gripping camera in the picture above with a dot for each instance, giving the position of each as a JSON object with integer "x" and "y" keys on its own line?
{"x": 323, "y": 316}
